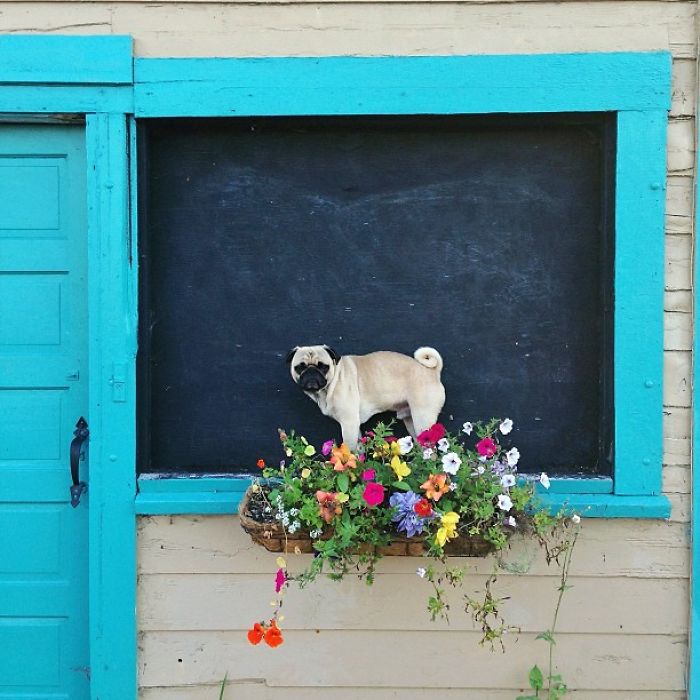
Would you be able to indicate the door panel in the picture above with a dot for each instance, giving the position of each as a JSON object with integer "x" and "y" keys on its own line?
{"x": 43, "y": 392}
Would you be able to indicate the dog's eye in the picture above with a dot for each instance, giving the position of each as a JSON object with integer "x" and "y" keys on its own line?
{"x": 323, "y": 367}
{"x": 300, "y": 367}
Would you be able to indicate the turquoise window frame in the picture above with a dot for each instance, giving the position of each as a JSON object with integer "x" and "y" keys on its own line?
{"x": 93, "y": 77}
{"x": 636, "y": 86}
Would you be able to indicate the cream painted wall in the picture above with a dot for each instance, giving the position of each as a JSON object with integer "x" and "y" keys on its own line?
{"x": 201, "y": 583}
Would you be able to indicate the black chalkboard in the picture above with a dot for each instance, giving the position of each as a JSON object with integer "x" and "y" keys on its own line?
{"x": 488, "y": 238}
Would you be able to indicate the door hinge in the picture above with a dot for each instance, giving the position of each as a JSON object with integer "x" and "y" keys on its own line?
{"x": 118, "y": 382}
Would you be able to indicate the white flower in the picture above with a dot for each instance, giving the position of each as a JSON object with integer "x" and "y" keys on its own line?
{"x": 294, "y": 511}
{"x": 315, "y": 534}
{"x": 504, "y": 502}
{"x": 575, "y": 518}
{"x": 544, "y": 480}
{"x": 452, "y": 486}
{"x": 479, "y": 470}
{"x": 420, "y": 571}
{"x": 451, "y": 462}
{"x": 510, "y": 520}
{"x": 467, "y": 428}
{"x": 428, "y": 453}
{"x": 513, "y": 456}
{"x": 506, "y": 426}
{"x": 443, "y": 444}
{"x": 507, "y": 480}
{"x": 406, "y": 444}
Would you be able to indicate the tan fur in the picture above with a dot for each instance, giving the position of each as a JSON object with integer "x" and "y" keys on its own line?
{"x": 360, "y": 386}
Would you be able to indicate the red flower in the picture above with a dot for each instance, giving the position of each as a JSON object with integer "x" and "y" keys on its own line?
{"x": 431, "y": 435}
{"x": 486, "y": 447}
{"x": 423, "y": 508}
{"x": 261, "y": 464}
{"x": 373, "y": 494}
{"x": 256, "y": 633}
{"x": 273, "y": 635}
{"x": 390, "y": 438}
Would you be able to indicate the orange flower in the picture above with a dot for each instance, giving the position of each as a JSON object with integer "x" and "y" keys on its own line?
{"x": 273, "y": 635}
{"x": 435, "y": 486}
{"x": 328, "y": 506}
{"x": 256, "y": 633}
{"x": 342, "y": 458}
{"x": 260, "y": 464}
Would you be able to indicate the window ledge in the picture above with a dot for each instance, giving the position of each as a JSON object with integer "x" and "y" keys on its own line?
{"x": 220, "y": 495}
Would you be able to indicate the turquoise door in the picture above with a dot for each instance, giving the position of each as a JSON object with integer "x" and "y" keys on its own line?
{"x": 44, "y": 651}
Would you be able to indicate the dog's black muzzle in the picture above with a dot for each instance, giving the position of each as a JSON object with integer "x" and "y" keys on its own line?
{"x": 312, "y": 379}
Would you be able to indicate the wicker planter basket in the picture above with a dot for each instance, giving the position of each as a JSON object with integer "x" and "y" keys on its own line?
{"x": 272, "y": 536}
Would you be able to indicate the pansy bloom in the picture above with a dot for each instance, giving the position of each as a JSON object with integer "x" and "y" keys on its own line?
{"x": 435, "y": 486}
{"x": 342, "y": 458}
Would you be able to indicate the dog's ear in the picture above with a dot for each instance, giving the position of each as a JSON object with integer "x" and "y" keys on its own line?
{"x": 335, "y": 356}
{"x": 290, "y": 355}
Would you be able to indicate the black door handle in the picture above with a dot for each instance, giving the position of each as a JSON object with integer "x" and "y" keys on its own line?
{"x": 78, "y": 487}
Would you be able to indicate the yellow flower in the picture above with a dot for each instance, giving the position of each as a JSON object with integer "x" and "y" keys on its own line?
{"x": 395, "y": 448}
{"x": 342, "y": 498}
{"x": 305, "y": 473}
{"x": 400, "y": 468}
{"x": 309, "y": 450}
{"x": 448, "y": 528}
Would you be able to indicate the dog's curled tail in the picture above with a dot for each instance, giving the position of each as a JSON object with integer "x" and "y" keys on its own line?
{"x": 430, "y": 358}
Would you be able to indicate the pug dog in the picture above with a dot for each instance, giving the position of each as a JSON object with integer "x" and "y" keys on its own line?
{"x": 353, "y": 388}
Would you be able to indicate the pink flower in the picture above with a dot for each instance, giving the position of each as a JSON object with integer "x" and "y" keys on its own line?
{"x": 431, "y": 435}
{"x": 368, "y": 474}
{"x": 327, "y": 447}
{"x": 361, "y": 458}
{"x": 280, "y": 580}
{"x": 373, "y": 494}
{"x": 486, "y": 447}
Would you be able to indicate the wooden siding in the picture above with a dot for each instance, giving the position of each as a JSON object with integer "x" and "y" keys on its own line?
{"x": 201, "y": 583}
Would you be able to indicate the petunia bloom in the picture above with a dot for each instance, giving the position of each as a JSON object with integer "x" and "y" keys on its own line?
{"x": 451, "y": 463}
{"x": 507, "y": 480}
{"x": 256, "y": 634}
{"x": 373, "y": 494}
{"x": 400, "y": 468}
{"x": 432, "y": 435}
{"x": 328, "y": 505}
{"x": 342, "y": 458}
{"x": 467, "y": 428}
{"x": 486, "y": 447}
{"x": 280, "y": 580}
{"x": 405, "y": 515}
{"x": 512, "y": 456}
{"x": 443, "y": 444}
{"x": 506, "y": 426}
{"x": 405, "y": 444}
{"x": 435, "y": 486}
{"x": 504, "y": 502}
{"x": 423, "y": 508}
{"x": 273, "y": 635}
{"x": 447, "y": 529}
{"x": 327, "y": 447}
{"x": 369, "y": 475}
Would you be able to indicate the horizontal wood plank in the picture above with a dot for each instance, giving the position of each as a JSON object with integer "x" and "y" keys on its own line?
{"x": 216, "y": 544}
{"x": 398, "y": 601}
{"x": 389, "y": 659}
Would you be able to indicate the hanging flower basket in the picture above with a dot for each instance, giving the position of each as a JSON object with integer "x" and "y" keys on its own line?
{"x": 272, "y": 535}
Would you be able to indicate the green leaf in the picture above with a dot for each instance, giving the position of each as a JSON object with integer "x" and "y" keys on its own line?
{"x": 401, "y": 486}
{"x": 526, "y": 697}
{"x": 536, "y": 678}
{"x": 547, "y": 636}
{"x": 343, "y": 482}
{"x": 223, "y": 686}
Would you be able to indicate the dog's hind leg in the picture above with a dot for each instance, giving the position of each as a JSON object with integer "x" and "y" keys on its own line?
{"x": 350, "y": 426}
{"x": 408, "y": 422}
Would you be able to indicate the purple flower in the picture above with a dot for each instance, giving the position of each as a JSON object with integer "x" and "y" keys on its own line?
{"x": 498, "y": 468}
{"x": 327, "y": 447}
{"x": 406, "y": 517}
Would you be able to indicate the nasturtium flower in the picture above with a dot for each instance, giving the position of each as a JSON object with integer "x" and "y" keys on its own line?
{"x": 435, "y": 486}
{"x": 343, "y": 459}
{"x": 400, "y": 468}
{"x": 544, "y": 480}
{"x": 447, "y": 529}
{"x": 451, "y": 462}
{"x": 273, "y": 635}
{"x": 506, "y": 426}
{"x": 260, "y": 464}
{"x": 486, "y": 447}
{"x": 256, "y": 634}
{"x": 373, "y": 494}
{"x": 423, "y": 508}
{"x": 512, "y": 456}
{"x": 504, "y": 502}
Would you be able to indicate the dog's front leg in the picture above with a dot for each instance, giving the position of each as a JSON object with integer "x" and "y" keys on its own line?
{"x": 350, "y": 425}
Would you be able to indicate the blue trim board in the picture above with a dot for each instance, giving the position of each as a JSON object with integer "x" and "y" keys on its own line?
{"x": 194, "y": 87}
{"x": 112, "y": 311}
{"x": 77, "y": 99}
{"x": 54, "y": 59}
